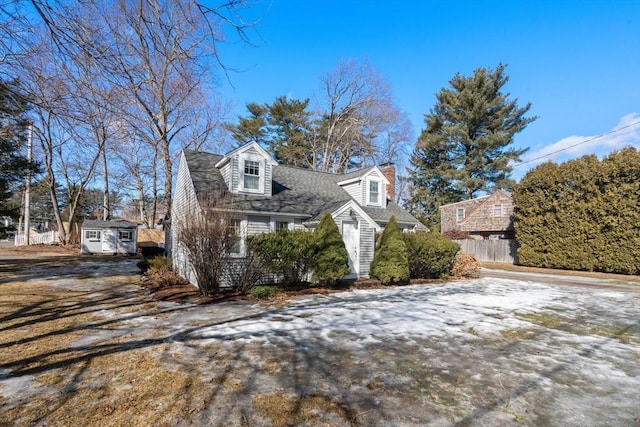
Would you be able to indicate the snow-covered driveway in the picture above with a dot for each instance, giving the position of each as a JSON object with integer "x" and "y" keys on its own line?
{"x": 490, "y": 351}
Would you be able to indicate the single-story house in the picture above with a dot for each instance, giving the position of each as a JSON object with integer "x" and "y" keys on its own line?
{"x": 108, "y": 237}
{"x": 482, "y": 218}
{"x": 268, "y": 196}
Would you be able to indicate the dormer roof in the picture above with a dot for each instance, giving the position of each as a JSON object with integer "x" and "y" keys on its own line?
{"x": 361, "y": 174}
{"x": 247, "y": 147}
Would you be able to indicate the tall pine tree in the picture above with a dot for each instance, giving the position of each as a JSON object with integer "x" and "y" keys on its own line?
{"x": 464, "y": 148}
{"x": 13, "y": 135}
{"x": 284, "y": 128}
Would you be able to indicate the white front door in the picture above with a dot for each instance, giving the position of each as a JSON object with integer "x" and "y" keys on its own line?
{"x": 351, "y": 237}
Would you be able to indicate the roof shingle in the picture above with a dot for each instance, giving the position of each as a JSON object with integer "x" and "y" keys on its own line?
{"x": 294, "y": 190}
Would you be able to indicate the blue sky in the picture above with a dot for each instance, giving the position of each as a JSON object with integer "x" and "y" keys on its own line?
{"x": 577, "y": 62}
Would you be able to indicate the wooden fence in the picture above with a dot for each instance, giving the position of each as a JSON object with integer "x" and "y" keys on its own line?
{"x": 47, "y": 238}
{"x": 491, "y": 250}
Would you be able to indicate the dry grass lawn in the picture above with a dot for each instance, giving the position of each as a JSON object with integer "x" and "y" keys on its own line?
{"x": 103, "y": 381}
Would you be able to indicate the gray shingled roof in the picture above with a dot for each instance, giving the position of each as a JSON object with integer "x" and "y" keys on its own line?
{"x": 115, "y": 223}
{"x": 294, "y": 190}
{"x": 205, "y": 175}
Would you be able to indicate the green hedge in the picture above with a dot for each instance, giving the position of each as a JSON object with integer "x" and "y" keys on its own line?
{"x": 581, "y": 215}
{"x": 289, "y": 254}
{"x": 294, "y": 254}
{"x": 430, "y": 255}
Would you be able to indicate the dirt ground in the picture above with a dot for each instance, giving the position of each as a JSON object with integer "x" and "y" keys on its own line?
{"x": 83, "y": 343}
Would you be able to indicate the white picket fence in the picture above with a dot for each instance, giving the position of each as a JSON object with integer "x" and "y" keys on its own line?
{"x": 48, "y": 238}
{"x": 491, "y": 250}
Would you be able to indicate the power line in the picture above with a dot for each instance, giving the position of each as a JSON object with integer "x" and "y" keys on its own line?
{"x": 577, "y": 144}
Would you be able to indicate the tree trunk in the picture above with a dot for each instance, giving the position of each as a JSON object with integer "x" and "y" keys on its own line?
{"x": 106, "y": 211}
{"x": 168, "y": 177}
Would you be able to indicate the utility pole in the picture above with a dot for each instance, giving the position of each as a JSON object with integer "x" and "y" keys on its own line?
{"x": 27, "y": 189}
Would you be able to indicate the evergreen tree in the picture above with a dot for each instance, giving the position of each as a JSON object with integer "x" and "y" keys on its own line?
{"x": 14, "y": 166}
{"x": 463, "y": 150}
{"x": 332, "y": 259}
{"x": 290, "y": 129}
{"x": 251, "y": 128}
{"x": 283, "y": 128}
{"x": 390, "y": 263}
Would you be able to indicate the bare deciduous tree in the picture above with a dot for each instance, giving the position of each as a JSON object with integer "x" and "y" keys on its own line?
{"x": 162, "y": 54}
{"x": 61, "y": 123}
{"x": 358, "y": 107}
{"x": 355, "y": 123}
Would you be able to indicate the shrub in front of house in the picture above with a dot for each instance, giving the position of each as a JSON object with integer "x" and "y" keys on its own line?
{"x": 288, "y": 254}
{"x": 159, "y": 263}
{"x": 208, "y": 240}
{"x": 430, "y": 255}
{"x": 264, "y": 291}
{"x": 243, "y": 273}
{"x": 155, "y": 263}
{"x": 158, "y": 270}
{"x": 331, "y": 257}
{"x": 390, "y": 264}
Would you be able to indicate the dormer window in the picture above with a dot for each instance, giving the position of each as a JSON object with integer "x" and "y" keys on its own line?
{"x": 374, "y": 192}
{"x": 252, "y": 172}
{"x": 247, "y": 169}
{"x": 251, "y": 175}
{"x": 374, "y": 195}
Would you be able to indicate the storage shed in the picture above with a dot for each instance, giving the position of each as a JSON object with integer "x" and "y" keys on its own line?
{"x": 108, "y": 237}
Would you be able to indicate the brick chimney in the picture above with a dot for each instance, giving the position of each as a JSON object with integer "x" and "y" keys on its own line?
{"x": 389, "y": 171}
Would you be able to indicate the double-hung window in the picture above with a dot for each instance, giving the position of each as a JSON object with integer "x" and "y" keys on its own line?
{"x": 281, "y": 225}
{"x": 251, "y": 175}
{"x": 460, "y": 214}
{"x": 374, "y": 192}
{"x": 497, "y": 210}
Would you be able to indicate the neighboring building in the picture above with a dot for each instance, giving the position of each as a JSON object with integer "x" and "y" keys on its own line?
{"x": 488, "y": 217}
{"x": 108, "y": 237}
{"x": 267, "y": 197}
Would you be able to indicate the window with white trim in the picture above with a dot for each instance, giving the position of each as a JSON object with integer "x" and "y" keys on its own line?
{"x": 460, "y": 214}
{"x": 497, "y": 210}
{"x": 251, "y": 176}
{"x": 281, "y": 225}
{"x": 92, "y": 235}
{"x": 125, "y": 235}
{"x": 374, "y": 192}
{"x": 236, "y": 246}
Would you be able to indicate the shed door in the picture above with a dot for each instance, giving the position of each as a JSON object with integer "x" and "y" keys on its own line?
{"x": 109, "y": 243}
{"x": 351, "y": 237}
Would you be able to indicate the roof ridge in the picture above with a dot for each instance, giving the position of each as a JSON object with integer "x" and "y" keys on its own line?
{"x": 323, "y": 172}
{"x": 478, "y": 206}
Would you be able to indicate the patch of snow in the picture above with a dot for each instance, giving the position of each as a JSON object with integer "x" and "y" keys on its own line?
{"x": 17, "y": 389}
